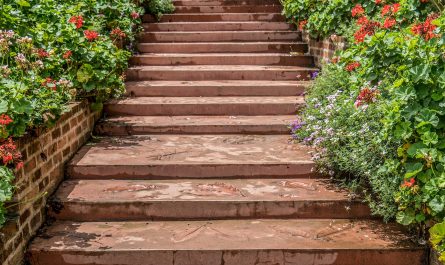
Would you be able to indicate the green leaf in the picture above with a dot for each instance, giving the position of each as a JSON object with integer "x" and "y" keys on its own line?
{"x": 23, "y": 3}
{"x": 437, "y": 204}
{"x": 413, "y": 169}
{"x": 3, "y": 106}
{"x": 85, "y": 73}
{"x": 412, "y": 150}
{"x": 406, "y": 218}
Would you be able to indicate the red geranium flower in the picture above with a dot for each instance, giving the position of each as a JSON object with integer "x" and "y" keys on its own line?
{"x": 352, "y": 66}
{"x": 367, "y": 29}
{"x": 50, "y": 83}
{"x": 366, "y": 95}
{"x": 42, "y": 53}
{"x": 389, "y": 23}
{"x": 118, "y": 33}
{"x": 426, "y": 29}
{"x": 67, "y": 55}
{"x": 378, "y": 2}
{"x": 5, "y": 119}
{"x": 408, "y": 184}
{"x": 390, "y": 9}
{"x": 91, "y": 35}
{"x": 302, "y": 24}
{"x": 77, "y": 20}
{"x": 357, "y": 10}
{"x": 135, "y": 15}
{"x": 9, "y": 153}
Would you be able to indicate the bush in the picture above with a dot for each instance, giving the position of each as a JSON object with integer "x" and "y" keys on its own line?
{"x": 159, "y": 7}
{"x": 376, "y": 114}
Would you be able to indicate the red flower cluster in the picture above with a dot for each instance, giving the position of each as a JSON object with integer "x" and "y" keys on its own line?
{"x": 366, "y": 95}
{"x": 118, "y": 33}
{"x": 367, "y": 29}
{"x": 135, "y": 15}
{"x": 302, "y": 24}
{"x": 426, "y": 29}
{"x": 357, "y": 10}
{"x": 77, "y": 20}
{"x": 42, "y": 53}
{"x": 9, "y": 154}
{"x": 389, "y": 23}
{"x": 390, "y": 9}
{"x": 378, "y": 2}
{"x": 50, "y": 83}
{"x": 67, "y": 55}
{"x": 91, "y": 35}
{"x": 408, "y": 184}
{"x": 352, "y": 66}
{"x": 5, "y": 120}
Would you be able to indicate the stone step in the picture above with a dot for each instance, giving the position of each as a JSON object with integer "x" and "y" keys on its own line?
{"x": 226, "y": 242}
{"x": 215, "y": 88}
{"x": 229, "y": 9}
{"x": 218, "y": 36}
{"x": 221, "y": 47}
{"x": 222, "y": 59}
{"x": 229, "y": 106}
{"x": 224, "y": 2}
{"x": 142, "y": 200}
{"x": 192, "y": 156}
{"x": 198, "y": 17}
{"x": 219, "y": 72}
{"x": 217, "y": 26}
{"x": 140, "y": 125}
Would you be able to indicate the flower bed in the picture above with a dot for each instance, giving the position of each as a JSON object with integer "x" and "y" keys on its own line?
{"x": 375, "y": 114}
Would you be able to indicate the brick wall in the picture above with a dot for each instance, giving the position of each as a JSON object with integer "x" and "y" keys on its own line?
{"x": 44, "y": 156}
{"x": 324, "y": 49}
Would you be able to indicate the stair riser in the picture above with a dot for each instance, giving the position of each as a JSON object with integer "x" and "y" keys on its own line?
{"x": 220, "y": 47}
{"x": 150, "y": 27}
{"x": 225, "y": 3}
{"x": 274, "y": 17}
{"x": 230, "y": 257}
{"x": 208, "y": 210}
{"x": 201, "y": 109}
{"x": 213, "y": 91}
{"x": 267, "y": 74}
{"x": 193, "y": 171}
{"x": 223, "y": 60}
{"x": 220, "y": 36}
{"x": 122, "y": 130}
{"x": 229, "y": 9}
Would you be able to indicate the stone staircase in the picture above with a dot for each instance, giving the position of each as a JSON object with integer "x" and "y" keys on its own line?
{"x": 195, "y": 166}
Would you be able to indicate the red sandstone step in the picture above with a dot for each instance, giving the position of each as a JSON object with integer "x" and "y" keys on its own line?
{"x": 139, "y": 125}
{"x": 224, "y": 2}
{"x": 142, "y": 200}
{"x": 226, "y": 242}
{"x": 217, "y": 26}
{"x": 215, "y": 88}
{"x": 192, "y": 156}
{"x": 221, "y": 47}
{"x": 230, "y": 9}
{"x": 222, "y": 59}
{"x": 165, "y": 106}
{"x": 197, "y": 17}
{"x": 218, "y": 36}
{"x": 219, "y": 72}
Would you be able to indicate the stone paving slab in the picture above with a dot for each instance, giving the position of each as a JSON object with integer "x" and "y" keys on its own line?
{"x": 194, "y": 156}
{"x": 215, "y": 88}
{"x": 232, "y": 106}
{"x": 230, "y": 242}
{"x": 139, "y": 125}
{"x": 221, "y": 47}
{"x": 121, "y": 200}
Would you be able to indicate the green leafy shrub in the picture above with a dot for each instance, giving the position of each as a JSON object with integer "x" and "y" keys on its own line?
{"x": 159, "y": 7}
{"x": 376, "y": 116}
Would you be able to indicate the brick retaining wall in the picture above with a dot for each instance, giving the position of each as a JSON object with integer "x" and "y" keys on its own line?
{"x": 44, "y": 157}
{"x": 324, "y": 49}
